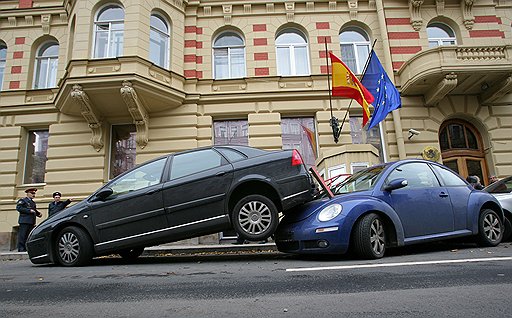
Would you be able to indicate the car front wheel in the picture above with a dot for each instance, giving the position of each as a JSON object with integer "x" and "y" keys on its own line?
{"x": 74, "y": 247}
{"x": 369, "y": 237}
{"x": 490, "y": 228}
{"x": 255, "y": 218}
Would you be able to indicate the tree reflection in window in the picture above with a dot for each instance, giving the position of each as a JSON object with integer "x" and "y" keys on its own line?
{"x": 123, "y": 149}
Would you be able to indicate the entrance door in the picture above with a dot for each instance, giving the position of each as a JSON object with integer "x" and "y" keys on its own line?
{"x": 462, "y": 149}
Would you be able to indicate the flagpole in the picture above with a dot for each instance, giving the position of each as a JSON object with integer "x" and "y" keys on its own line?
{"x": 362, "y": 76}
{"x": 333, "y": 122}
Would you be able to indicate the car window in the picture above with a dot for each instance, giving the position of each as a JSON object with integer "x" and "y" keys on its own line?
{"x": 231, "y": 154}
{"x": 449, "y": 178}
{"x": 193, "y": 162}
{"x": 417, "y": 174}
{"x": 500, "y": 186}
{"x": 140, "y": 177}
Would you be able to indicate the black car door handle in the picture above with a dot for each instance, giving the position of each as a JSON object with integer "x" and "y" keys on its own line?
{"x": 220, "y": 173}
{"x": 443, "y": 195}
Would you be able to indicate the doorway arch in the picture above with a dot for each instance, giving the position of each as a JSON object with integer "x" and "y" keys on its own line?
{"x": 462, "y": 149}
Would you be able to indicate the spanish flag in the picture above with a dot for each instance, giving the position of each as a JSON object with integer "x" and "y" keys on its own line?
{"x": 346, "y": 84}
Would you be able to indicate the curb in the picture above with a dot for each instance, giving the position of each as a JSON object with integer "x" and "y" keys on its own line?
{"x": 178, "y": 250}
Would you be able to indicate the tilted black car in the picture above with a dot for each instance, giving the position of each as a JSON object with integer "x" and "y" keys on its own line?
{"x": 175, "y": 197}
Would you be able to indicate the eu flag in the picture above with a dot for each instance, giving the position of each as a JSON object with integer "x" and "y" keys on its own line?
{"x": 387, "y": 97}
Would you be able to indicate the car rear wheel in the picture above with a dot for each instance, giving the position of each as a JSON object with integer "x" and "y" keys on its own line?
{"x": 131, "y": 253}
{"x": 255, "y": 217}
{"x": 74, "y": 247}
{"x": 490, "y": 228}
{"x": 369, "y": 237}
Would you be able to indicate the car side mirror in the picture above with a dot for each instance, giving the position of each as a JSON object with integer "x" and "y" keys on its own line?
{"x": 103, "y": 194}
{"x": 396, "y": 184}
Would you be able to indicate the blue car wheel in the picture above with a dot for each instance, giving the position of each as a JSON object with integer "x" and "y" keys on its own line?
{"x": 369, "y": 237}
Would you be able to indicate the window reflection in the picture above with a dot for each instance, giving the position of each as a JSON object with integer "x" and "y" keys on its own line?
{"x": 299, "y": 133}
{"x": 35, "y": 163}
{"x": 123, "y": 149}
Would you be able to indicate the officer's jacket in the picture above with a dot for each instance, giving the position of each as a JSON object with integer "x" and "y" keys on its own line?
{"x": 23, "y": 206}
{"x": 55, "y": 207}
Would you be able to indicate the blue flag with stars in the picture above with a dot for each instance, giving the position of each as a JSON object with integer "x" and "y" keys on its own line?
{"x": 387, "y": 97}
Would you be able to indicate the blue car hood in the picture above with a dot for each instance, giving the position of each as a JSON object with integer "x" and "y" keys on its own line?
{"x": 305, "y": 210}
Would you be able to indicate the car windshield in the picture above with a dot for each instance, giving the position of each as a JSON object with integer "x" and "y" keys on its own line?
{"x": 360, "y": 181}
{"x": 500, "y": 186}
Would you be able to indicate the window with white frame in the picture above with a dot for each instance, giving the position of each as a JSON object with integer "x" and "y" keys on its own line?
{"x": 440, "y": 34}
{"x": 362, "y": 136}
{"x": 47, "y": 61}
{"x": 229, "y": 56}
{"x": 3, "y": 58}
{"x": 299, "y": 133}
{"x": 159, "y": 36}
{"x": 355, "y": 48}
{"x": 358, "y": 166}
{"x": 231, "y": 132}
{"x": 292, "y": 53}
{"x": 35, "y": 161}
{"x": 122, "y": 149}
{"x": 109, "y": 32}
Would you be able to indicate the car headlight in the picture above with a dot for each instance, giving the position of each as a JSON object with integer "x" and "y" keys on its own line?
{"x": 330, "y": 212}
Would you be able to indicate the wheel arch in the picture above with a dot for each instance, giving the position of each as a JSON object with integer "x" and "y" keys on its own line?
{"x": 58, "y": 229}
{"x": 254, "y": 187}
{"x": 392, "y": 236}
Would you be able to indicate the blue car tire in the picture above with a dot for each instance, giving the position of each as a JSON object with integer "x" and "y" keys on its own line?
{"x": 73, "y": 247}
{"x": 490, "y": 228}
{"x": 369, "y": 237}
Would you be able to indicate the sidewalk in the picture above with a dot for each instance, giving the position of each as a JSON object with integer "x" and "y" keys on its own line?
{"x": 167, "y": 250}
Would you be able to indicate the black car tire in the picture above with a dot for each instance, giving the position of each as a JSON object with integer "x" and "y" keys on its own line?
{"x": 131, "y": 253}
{"x": 369, "y": 237}
{"x": 255, "y": 217}
{"x": 73, "y": 247}
{"x": 507, "y": 235}
{"x": 490, "y": 228}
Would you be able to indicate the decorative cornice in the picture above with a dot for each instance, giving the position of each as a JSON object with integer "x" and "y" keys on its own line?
{"x": 497, "y": 91}
{"x": 45, "y": 23}
{"x": 481, "y": 53}
{"x": 434, "y": 95}
{"x": 138, "y": 113}
{"x": 440, "y": 7}
{"x": 87, "y": 110}
{"x": 352, "y": 8}
{"x": 467, "y": 13}
{"x": 290, "y": 11}
{"x": 227, "y": 11}
{"x": 415, "y": 10}
{"x": 332, "y": 5}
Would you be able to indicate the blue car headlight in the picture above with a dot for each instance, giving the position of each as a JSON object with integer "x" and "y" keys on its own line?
{"x": 330, "y": 212}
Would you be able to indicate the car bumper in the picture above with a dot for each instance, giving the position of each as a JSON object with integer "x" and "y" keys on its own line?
{"x": 38, "y": 250}
{"x": 312, "y": 238}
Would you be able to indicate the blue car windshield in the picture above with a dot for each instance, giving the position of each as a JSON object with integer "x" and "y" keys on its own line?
{"x": 360, "y": 181}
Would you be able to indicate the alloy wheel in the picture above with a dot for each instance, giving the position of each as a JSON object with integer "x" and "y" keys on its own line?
{"x": 377, "y": 237}
{"x": 492, "y": 227}
{"x": 69, "y": 247}
{"x": 255, "y": 217}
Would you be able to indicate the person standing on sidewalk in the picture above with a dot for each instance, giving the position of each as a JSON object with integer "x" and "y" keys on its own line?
{"x": 27, "y": 219}
{"x": 57, "y": 205}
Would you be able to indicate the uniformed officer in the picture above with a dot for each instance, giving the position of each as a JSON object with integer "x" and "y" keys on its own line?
{"x": 57, "y": 205}
{"x": 27, "y": 219}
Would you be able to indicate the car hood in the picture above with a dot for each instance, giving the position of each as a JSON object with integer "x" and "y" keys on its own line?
{"x": 304, "y": 211}
{"x": 66, "y": 213}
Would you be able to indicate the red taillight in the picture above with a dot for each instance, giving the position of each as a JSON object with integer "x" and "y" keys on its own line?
{"x": 296, "y": 158}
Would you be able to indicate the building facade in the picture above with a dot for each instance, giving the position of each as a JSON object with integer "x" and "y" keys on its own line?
{"x": 90, "y": 88}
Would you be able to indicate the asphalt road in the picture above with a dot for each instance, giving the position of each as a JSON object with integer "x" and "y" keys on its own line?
{"x": 440, "y": 280}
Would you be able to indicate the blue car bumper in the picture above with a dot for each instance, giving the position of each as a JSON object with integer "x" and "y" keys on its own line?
{"x": 310, "y": 236}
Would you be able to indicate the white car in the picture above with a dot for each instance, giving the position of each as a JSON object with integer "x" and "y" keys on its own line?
{"x": 502, "y": 190}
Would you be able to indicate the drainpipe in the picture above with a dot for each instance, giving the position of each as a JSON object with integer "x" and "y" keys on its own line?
{"x": 388, "y": 66}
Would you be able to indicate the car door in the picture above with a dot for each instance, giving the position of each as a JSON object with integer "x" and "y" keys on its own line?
{"x": 423, "y": 206}
{"x": 134, "y": 211}
{"x": 196, "y": 191}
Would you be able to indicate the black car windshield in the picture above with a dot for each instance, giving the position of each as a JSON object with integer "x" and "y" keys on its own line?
{"x": 360, "y": 181}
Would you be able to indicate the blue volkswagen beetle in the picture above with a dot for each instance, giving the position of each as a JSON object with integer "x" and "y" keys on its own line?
{"x": 393, "y": 204}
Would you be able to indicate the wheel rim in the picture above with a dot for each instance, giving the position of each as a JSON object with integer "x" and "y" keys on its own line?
{"x": 492, "y": 228}
{"x": 377, "y": 237}
{"x": 69, "y": 247}
{"x": 255, "y": 217}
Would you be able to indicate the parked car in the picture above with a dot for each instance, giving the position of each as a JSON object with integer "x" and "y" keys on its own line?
{"x": 392, "y": 204}
{"x": 175, "y": 197}
{"x": 502, "y": 190}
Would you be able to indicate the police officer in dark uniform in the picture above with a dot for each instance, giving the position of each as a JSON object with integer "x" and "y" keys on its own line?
{"x": 27, "y": 219}
{"x": 57, "y": 205}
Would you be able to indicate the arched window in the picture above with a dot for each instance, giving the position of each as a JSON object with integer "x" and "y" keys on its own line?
{"x": 3, "y": 57}
{"x": 47, "y": 61}
{"x": 440, "y": 34}
{"x": 159, "y": 36}
{"x": 292, "y": 53}
{"x": 355, "y": 48}
{"x": 108, "y": 32}
{"x": 229, "y": 56}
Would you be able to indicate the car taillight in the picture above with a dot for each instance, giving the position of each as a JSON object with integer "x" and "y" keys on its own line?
{"x": 296, "y": 158}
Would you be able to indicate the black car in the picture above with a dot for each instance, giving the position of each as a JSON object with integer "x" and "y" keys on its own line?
{"x": 175, "y": 197}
